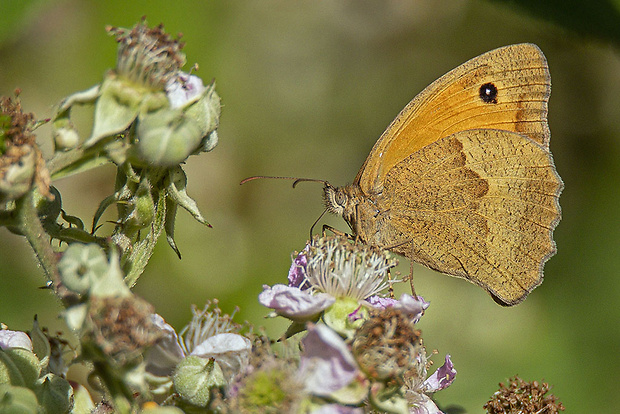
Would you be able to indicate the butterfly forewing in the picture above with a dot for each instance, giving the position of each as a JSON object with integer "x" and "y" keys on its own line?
{"x": 517, "y": 79}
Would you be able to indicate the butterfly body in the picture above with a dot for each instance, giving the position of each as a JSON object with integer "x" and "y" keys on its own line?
{"x": 462, "y": 181}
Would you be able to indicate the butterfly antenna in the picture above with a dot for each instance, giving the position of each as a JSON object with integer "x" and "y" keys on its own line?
{"x": 296, "y": 180}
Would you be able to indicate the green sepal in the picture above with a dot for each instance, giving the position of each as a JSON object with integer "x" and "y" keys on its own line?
{"x": 171, "y": 213}
{"x": 19, "y": 366}
{"x": 17, "y": 400}
{"x": 176, "y": 183}
{"x": 40, "y": 344}
{"x": 142, "y": 250}
{"x": 117, "y": 107}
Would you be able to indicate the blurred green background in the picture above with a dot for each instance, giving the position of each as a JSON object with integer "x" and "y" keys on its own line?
{"x": 307, "y": 87}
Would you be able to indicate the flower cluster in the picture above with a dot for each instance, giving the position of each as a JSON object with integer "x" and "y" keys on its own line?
{"x": 364, "y": 348}
{"x": 519, "y": 396}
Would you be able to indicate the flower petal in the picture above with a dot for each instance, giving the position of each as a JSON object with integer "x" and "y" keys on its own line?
{"x": 231, "y": 351}
{"x": 164, "y": 356}
{"x": 412, "y": 305}
{"x": 379, "y": 302}
{"x": 427, "y": 406}
{"x": 337, "y": 409}
{"x": 14, "y": 339}
{"x": 297, "y": 272}
{"x": 442, "y": 378}
{"x": 293, "y": 303}
{"x": 326, "y": 363}
{"x": 184, "y": 89}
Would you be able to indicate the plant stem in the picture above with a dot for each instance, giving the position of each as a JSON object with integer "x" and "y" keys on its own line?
{"x": 30, "y": 226}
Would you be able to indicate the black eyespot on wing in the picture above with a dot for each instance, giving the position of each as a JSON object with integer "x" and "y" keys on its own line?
{"x": 488, "y": 93}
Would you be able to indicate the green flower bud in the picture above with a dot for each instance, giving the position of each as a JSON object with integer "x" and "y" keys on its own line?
{"x": 166, "y": 138}
{"x": 19, "y": 366}
{"x": 195, "y": 377}
{"x": 17, "y": 400}
{"x": 81, "y": 266}
{"x": 55, "y": 394}
{"x": 139, "y": 211}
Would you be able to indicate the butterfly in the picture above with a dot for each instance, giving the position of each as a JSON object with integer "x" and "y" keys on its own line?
{"x": 462, "y": 181}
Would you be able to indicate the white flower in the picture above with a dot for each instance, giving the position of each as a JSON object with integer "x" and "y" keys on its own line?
{"x": 206, "y": 336}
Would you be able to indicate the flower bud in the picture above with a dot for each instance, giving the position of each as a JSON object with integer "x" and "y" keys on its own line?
{"x": 166, "y": 138}
{"x": 55, "y": 394}
{"x": 195, "y": 377}
{"x": 17, "y": 400}
{"x": 19, "y": 366}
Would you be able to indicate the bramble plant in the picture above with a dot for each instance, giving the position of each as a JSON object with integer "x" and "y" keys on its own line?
{"x": 351, "y": 346}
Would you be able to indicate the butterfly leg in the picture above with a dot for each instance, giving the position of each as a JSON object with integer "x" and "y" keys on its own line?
{"x": 410, "y": 277}
{"x": 391, "y": 286}
{"x": 337, "y": 232}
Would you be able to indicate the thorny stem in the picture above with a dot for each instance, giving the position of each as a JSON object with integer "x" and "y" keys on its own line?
{"x": 30, "y": 225}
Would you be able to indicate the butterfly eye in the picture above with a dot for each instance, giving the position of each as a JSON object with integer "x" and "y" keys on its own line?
{"x": 341, "y": 198}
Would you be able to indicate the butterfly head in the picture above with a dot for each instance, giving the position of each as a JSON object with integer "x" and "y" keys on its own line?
{"x": 341, "y": 200}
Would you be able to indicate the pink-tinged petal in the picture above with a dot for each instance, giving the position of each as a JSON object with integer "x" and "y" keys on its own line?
{"x": 337, "y": 409}
{"x": 442, "y": 378}
{"x": 14, "y": 339}
{"x": 426, "y": 406}
{"x": 293, "y": 303}
{"x": 231, "y": 351}
{"x": 326, "y": 363}
{"x": 184, "y": 89}
{"x": 297, "y": 272}
{"x": 379, "y": 302}
{"x": 414, "y": 306}
{"x": 164, "y": 356}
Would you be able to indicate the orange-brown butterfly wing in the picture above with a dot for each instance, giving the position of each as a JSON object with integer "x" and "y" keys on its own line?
{"x": 462, "y": 180}
{"x": 479, "y": 204}
{"x": 453, "y": 103}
